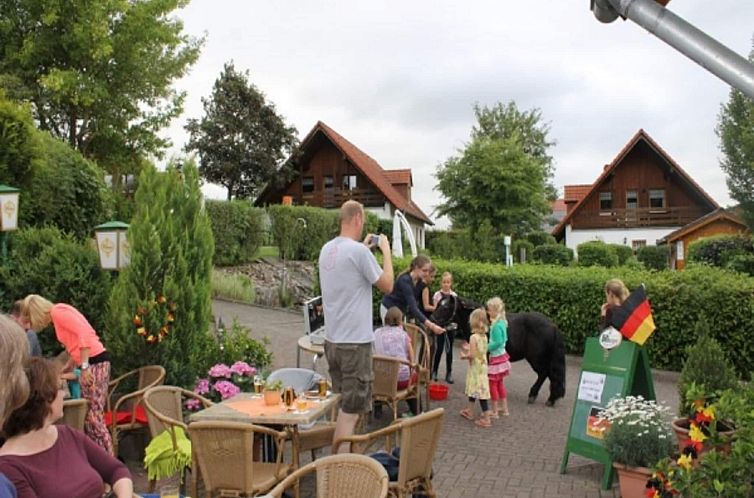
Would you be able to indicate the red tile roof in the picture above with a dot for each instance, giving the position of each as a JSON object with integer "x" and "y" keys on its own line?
{"x": 558, "y": 205}
{"x": 398, "y": 176}
{"x": 574, "y": 193}
{"x": 640, "y": 135}
{"x": 718, "y": 214}
{"x": 372, "y": 170}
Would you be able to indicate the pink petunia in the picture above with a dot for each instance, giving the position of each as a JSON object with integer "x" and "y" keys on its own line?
{"x": 202, "y": 386}
{"x": 226, "y": 389}
{"x": 243, "y": 368}
{"x": 220, "y": 370}
{"x": 193, "y": 404}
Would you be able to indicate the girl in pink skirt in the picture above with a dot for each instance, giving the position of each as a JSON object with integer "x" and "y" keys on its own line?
{"x": 499, "y": 364}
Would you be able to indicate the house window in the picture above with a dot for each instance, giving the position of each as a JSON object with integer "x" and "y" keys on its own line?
{"x": 636, "y": 244}
{"x": 606, "y": 201}
{"x": 632, "y": 199}
{"x": 349, "y": 182}
{"x": 329, "y": 182}
{"x": 307, "y": 184}
{"x": 657, "y": 199}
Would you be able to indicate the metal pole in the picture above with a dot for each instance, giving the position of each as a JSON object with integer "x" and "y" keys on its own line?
{"x": 684, "y": 37}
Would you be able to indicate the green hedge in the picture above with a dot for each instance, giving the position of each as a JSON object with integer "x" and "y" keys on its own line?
{"x": 237, "y": 228}
{"x": 623, "y": 252}
{"x": 553, "y": 254}
{"x": 540, "y": 238}
{"x": 572, "y": 297}
{"x": 300, "y": 241}
{"x": 654, "y": 257}
{"x": 719, "y": 250}
{"x": 596, "y": 253}
{"x": 517, "y": 245}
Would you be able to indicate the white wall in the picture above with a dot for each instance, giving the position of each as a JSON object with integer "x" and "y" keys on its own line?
{"x": 623, "y": 236}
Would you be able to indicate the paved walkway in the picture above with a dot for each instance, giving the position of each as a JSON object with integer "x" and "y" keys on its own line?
{"x": 519, "y": 457}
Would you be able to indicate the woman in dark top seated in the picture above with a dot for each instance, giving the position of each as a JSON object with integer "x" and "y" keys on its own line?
{"x": 404, "y": 293}
{"x": 55, "y": 461}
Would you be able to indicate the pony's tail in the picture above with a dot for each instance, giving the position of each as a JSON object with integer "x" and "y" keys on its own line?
{"x": 558, "y": 367}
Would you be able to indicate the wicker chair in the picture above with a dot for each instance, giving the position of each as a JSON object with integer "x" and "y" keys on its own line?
{"x": 422, "y": 357}
{"x": 224, "y": 454}
{"x": 385, "y": 387}
{"x": 127, "y": 413}
{"x": 74, "y": 413}
{"x": 319, "y": 435}
{"x": 417, "y": 438}
{"x": 339, "y": 476}
{"x": 164, "y": 405}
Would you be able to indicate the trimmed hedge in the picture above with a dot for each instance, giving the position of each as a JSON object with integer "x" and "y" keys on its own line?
{"x": 237, "y": 228}
{"x": 719, "y": 250}
{"x": 540, "y": 238}
{"x": 572, "y": 297}
{"x": 553, "y": 254}
{"x": 300, "y": 242}
{"x": 654, "y": 257}
{"x": 524, "y": 244}
{"x": 623, "y": 252}
{"x": 596, "y": 253}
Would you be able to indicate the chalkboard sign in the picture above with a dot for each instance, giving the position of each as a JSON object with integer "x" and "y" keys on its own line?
{"x": 604, "y": 375}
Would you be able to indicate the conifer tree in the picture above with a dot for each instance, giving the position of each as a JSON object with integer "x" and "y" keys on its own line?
{"x": 159, "y": 310}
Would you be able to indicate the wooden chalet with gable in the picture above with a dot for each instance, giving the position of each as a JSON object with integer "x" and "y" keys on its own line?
{"x": 640, "y": 197}
{"x": 332, "y": 170}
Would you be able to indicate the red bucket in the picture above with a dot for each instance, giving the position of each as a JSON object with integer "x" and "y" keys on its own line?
{"x": 438, "y": 392}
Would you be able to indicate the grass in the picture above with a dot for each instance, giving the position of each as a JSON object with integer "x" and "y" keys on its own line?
{"x": 267, "y": 252}
{"x": 232, "y": 286}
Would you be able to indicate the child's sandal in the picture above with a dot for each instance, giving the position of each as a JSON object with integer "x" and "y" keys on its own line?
{"x": 482, "y": 422}
{"x": 495, "y": 415}
{"x": 466, "y": 413}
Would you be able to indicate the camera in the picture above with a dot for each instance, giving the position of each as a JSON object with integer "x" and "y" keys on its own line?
{"x": 375, "y": 240}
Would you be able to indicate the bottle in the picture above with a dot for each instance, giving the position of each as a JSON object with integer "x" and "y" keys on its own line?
{"x": 289, "y": 396}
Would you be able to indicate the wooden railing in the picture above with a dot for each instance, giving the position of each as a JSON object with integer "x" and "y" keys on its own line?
{"x": 640, "y": 217}
{"x": 336, "y": 197}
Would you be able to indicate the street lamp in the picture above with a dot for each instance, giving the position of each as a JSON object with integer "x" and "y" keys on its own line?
{"x": 112, "y": 245}
{"x": 8, "y": 215}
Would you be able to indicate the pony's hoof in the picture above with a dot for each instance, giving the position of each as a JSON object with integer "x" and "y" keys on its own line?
{"x": 532, "y": 399}
{"x": 550, "y": 403}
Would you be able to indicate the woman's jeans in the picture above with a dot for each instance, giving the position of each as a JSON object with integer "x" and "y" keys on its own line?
{"x": 443, "y": 342}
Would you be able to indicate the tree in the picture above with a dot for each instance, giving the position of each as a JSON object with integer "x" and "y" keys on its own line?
{"x": 502, "y": 175}
{"x": 241, "y": 140}
{"x": 735, "y": 129}
{"x": 159, "y": 309}
{"x": 98, "y": 74}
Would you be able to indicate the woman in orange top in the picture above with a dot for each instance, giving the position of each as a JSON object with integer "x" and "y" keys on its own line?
{"x": 86, "y": 352}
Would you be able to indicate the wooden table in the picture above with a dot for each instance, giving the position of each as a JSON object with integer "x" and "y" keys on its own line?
{"x": 305, "y": 343}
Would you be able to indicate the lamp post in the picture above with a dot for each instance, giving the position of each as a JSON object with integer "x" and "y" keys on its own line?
{"x": 112, "y": 245}
{"x": 8, "y": 215}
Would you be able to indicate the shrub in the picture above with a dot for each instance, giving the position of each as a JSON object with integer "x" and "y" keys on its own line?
{"x": 233, "y": 286}
{"x": 705, "y": 365}
{"x": 596, "y": 253}
{"x": 623, "y": 252}
{"x": 519, "y": 245}
{"x": 449, "y": 244}
{"x": 720, "y": 249}
{"x": 553, "y": 254}
{"x": 540, "y": 238}
{"x": 743, "y": 263}
{"x": 237, "y": 229}
{"x": 297, "y": 240}
{"x": 237, "y": 344}
{"x": 18, "y": 145}
{"x": 654, "y": 257}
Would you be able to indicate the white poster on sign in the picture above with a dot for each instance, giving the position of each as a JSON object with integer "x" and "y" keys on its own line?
{"x": 591, "y": 386}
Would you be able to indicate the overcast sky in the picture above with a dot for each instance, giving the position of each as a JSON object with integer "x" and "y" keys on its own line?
{"x": 399, "y": 78}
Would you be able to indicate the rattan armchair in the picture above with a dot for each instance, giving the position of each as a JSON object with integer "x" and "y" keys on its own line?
{"x": 127, "y": 412}
{"x": 417, "y": 438}
{"x": 385, "y": 387}
{"x": 164, "y": 405}
{"x": 74, "y": 413}
{"x": 224, "y": 454}
{"x": 338, "y": 476}
{"x": 423, "y": 357}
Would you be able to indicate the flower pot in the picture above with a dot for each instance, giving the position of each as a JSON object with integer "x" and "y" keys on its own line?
{"x": 271, "y": 398}
{"x": 681, "y": 429}
{"x": 633, "y": 480}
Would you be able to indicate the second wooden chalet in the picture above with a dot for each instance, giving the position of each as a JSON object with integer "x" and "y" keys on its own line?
{"x": 640, "y": 197}
{"x": 332, "y": 170}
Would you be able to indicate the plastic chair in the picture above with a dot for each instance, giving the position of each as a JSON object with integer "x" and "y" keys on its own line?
{"x": 339, "y": 476}
{"x": 165, "y": 407}
{"x": 385, "y": 387}
{"x": 123, "y": 417}
{"x": 74, "y": 413}
{"x": 417, "y": 438}
{"x": 320, "y": 434}
{"x": 422, "y": 357}
{"x": 224, "y": 454}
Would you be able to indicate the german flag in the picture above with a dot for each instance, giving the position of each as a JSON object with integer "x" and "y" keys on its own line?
{"x": 634, "y": 317}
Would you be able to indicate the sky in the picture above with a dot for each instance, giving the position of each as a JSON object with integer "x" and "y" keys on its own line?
{"x": 399, "y": 79}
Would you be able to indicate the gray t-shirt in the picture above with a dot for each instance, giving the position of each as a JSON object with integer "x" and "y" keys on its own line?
{"x": 347, "y": 271}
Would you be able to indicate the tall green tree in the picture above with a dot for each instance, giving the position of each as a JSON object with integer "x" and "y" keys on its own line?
{"x": 160, "y": 308}
{"x": 503, "y": 175}
{"x": 241, "y": 140}
{"x": 98, "y": 74}
{"x": 735, "y": 129}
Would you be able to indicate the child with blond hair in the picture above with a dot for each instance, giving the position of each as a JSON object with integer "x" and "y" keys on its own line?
{"x": 477, "y": 383}
{"x": 499, "y": 363}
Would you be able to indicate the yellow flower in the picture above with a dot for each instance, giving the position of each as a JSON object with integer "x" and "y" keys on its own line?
{"x": 696, "y": 434}
{"x": 709, "y": 412}
{"x": 684, "y": 461}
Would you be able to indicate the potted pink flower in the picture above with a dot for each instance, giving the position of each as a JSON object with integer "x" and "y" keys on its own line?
{"x": 224, "y": 382}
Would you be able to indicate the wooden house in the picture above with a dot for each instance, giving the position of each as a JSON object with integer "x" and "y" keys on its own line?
{"x": 332, "y": 170}
{"x": 640, "y": 197}
{"x": 718, "y": 222}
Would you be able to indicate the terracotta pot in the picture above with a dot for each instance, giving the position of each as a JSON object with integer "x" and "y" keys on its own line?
{"x": 271, "y": 398}
{"x": 681, "y": 429}
{"x": 633, "y": 480}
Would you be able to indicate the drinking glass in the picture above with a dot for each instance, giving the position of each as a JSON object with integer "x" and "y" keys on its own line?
{"x": 301, "y": 403}
{"x": 171, "y": 491}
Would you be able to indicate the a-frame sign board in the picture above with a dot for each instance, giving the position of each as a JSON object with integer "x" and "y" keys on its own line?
{"x": 622, "y": 371}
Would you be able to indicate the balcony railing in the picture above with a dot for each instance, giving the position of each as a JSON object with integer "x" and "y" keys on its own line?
{"x": 334, "y": 198}
{"x": 639, "y": 217}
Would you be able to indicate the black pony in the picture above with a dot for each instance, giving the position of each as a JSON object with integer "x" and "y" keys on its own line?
{"x": 531, "y": 336}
